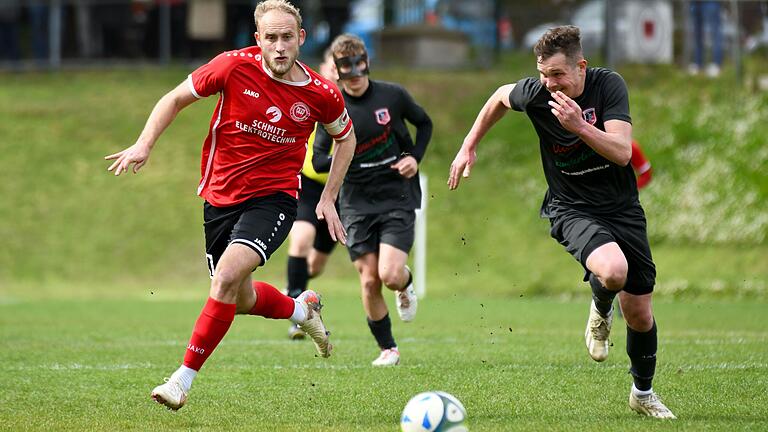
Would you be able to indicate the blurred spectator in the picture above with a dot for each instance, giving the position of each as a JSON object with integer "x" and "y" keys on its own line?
{"x": 10, "y": 13}
{"x": 38, "y": 22}
{"x": 705, "y": 17}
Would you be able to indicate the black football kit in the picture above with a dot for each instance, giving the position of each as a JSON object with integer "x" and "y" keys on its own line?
{"x": 591, "y": 201}
{"x": 379, "y": 115}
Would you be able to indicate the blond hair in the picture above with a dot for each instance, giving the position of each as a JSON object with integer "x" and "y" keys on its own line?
{"x": 348, "y": 45}
{"x": 279, "y": 5}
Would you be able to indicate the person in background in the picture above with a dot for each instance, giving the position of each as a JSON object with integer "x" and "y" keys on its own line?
{"x": 38, "y": 21}
{"x": 10, "y": 14}
{"x": 381, "y": 191}
{"x": 309, "y": 243}
{"x": 706, "y": 21}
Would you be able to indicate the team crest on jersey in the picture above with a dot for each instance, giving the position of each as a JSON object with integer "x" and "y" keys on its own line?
{"x": 589, "y": 115}
{"x": 299, "y": 112}
{"x": 382, "y": 116}
{"x": 274, "y": 114}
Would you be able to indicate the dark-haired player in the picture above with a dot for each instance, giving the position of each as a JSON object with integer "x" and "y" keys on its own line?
{"x": 381, "y": 191}
{"x": 581, "y": 116}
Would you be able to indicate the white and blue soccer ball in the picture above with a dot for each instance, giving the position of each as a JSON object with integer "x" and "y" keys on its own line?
{"x": 433, "y": 411}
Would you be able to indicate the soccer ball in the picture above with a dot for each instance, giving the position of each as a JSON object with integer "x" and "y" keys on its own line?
{"x": 433, "y": 411}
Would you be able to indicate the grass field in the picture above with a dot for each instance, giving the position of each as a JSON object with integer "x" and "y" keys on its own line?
{"x": 74, "y": 223}
{"x": 516, "y": 363}
{"x": 101, "y": 278}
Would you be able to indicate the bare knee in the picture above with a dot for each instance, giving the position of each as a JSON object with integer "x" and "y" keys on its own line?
{"x": 316, "y": 263}
{"x": 225, "y": 283}
{"x": 609, "y": 264}
{"x": 637, "y": 311}
{"x": 371, "y": 286}
{"x": 613, "y": 274}
{"x": 314, "y": 269}
{"x": 638, "y": 320}
{"x": 392, "y": 277}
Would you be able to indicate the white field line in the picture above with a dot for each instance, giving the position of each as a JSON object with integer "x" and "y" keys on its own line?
{"x": 65, "y": 367}
{"x": 499, "y": 337}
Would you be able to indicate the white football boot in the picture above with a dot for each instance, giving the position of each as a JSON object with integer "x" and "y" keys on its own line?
{"x": 650, "y": 405}
{"x": 596, "y": 335}
{"x": 387, "y": 357}
{"x": 406, "y": 301}
{"x": 171, "y": 394}
{"x": 313, "y": 324}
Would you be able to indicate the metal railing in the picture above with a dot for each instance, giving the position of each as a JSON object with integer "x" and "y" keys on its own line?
{"x": 56, "y": 33}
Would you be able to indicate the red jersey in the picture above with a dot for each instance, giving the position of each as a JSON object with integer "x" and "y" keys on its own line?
{"x": 259, "y": 131}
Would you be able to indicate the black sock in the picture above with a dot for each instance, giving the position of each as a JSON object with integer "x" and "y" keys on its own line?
{"x": 641, "y": 348}
{"x": 382, "y": 331}
{"x": 410, "y": 279}
{"x": 602, "y": 296}
{"x": 298, "y": 275}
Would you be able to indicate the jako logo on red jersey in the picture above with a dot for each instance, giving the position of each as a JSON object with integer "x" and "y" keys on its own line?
{"x": 251, "y": 93}
{"x": 274, "y": 114}
{"x": 299, "y": 111}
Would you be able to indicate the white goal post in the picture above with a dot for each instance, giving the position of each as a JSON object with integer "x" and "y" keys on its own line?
{"x": 420, "y": 242}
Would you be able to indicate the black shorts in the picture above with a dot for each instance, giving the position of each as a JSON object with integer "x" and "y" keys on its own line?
{"x": 309, "y": 196}
{"x": 366, "y": 232}
{"x": 581, "y": 233}
{"x": 261, "y": 223}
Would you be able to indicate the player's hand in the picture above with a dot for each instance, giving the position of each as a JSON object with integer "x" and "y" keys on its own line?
{"x": 136, "y": 155}
{"x": 326, "y": 210}
{"x": 567, "y": 111}
{"x": 461, "y": 167}
{"x": 407, "y": 166}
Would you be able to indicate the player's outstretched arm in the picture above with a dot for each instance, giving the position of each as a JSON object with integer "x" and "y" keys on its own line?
{"x": 162, "y": 115}
{"x": 326, "y": 208}
{"x": 493, "y": 110}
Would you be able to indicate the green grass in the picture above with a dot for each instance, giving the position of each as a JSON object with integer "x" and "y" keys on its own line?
{"x": 516, "y": 363}
{"x": 71, "y": 222}
{"x": 101, "y": 278}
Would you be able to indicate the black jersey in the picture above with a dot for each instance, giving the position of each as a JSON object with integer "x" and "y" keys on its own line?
{"x": 371, "y": 186}
{"x": 577, "y": 176}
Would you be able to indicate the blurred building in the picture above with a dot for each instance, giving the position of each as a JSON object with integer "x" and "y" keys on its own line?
{"x": 51, "y": 33}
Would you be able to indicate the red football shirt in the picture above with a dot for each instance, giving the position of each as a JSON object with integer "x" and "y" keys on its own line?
{"x": 259, "y": 131}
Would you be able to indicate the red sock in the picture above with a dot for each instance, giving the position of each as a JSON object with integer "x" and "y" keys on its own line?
{"x": 270, "y": 302}
{"x": 210, "y": 328}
